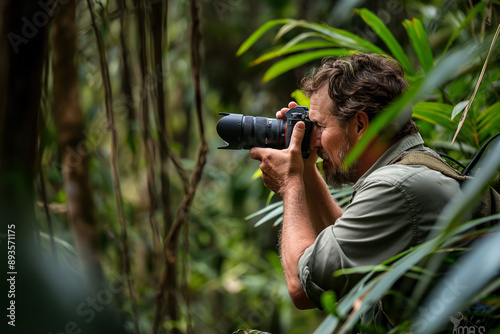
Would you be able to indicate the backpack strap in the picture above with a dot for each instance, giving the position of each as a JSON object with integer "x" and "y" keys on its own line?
{"x": 421, "y": 158}
{"x": 490, "y": 203}
{"x": 490, "y": 200}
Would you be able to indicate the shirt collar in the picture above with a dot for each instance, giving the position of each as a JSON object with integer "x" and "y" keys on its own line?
{"x": 413, "y": 141}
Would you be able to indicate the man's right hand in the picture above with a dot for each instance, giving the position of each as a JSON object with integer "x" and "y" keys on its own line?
{"x": 310, "y": 162}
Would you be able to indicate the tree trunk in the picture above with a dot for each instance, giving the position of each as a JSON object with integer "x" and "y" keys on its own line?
{"x": 22, "y": 51}
{"x": 75, "y": 148}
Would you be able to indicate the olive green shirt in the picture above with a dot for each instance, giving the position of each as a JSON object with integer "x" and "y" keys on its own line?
{"x": 393, "y": 208}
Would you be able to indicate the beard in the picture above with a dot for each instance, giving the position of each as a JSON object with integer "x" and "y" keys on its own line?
{"x": 337, "y": 177}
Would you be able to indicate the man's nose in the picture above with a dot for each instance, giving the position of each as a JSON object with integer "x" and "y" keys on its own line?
{"x": 315, "y": 139}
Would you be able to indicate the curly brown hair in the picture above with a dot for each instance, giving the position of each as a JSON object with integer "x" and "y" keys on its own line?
{"x": 360, "y": 82}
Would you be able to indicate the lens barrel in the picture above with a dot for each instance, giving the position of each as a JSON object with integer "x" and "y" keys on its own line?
{"x": 244, "y": 132}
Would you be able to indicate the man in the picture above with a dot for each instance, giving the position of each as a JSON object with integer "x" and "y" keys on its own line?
{"x": 393, "y": 207}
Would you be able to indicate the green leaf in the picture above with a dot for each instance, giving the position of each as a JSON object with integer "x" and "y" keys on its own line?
{"x": 328, "y": 325}
{"x": 454, "y": 213}
{"x": 247, "y": 44}
{"x": 300, "y": 98}
{"x": 438, "y": 114}
{"x": 291, "y": 24}
{"x": 461, "y": 206}
{"x": 339, "y": 193}
{"x": 264, "y": 210}
{"x": 329, "y": 302}
{"x": 281, "y": 50}
{"x": 257, "y": 174}
{"x": 378, "y": 287}
{"x": 344, "y": 38}
{"x": 385, "y": 34}
{"x": 420, "y": 42}
{"x": 343, "y": 202}
{"x": 270, "y": 197}
{"x": 463, "y": 230}
{"x": 276, "y": 212}
{"x": 341, "y": 37}
{"x": 464, "y": 115}
{"x": 489, "y": 114}
{"x": 479, "y": 7}
{"x": 299, "y": 38}
{"x": 459, "y": 107}
{"x": 276, "y": 209}
{"x": 60, "y": 243}
{"x": 479, "y": 266}
{"x": 371, "y": 291}
{"x": 300, "y": 59}
{"x": 362, "y": 270}
{"x": 489, "y": 121}
{"x": 435, "y": 113}
{"x": 278, "y": 221}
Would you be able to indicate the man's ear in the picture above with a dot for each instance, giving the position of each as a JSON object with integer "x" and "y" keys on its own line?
{"x": 362, "y": 122}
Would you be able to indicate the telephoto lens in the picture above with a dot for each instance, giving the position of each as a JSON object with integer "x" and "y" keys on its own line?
{"x": 241, "y": 132}
{"x": 244, "y": 132}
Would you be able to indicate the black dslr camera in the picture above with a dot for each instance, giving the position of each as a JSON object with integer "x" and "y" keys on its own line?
{"x": 244, "y": 132}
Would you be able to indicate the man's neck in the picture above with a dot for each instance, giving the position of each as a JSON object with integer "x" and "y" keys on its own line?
{"x": 372, "y": 153}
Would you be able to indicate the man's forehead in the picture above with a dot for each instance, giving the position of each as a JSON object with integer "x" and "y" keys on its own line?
{"x": 313, "y": 114}
{"x": 320, "y": 104}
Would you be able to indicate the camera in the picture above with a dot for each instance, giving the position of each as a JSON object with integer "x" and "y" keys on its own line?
{"x": 241, "y": 132}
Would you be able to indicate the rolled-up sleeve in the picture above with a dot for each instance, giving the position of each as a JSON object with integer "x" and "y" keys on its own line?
{"x": 380, "y": 222}
{"x": 317, "y": 265}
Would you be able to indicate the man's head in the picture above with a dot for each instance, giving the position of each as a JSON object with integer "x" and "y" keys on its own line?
{"x": 346, "y": 95}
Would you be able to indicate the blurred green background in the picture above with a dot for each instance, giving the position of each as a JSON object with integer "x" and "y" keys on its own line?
{"x": 228, "y": 272}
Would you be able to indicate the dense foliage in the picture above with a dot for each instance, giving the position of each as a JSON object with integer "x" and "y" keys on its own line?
{"x": 158, "y": 206}
{"x": 440, "y": 90}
